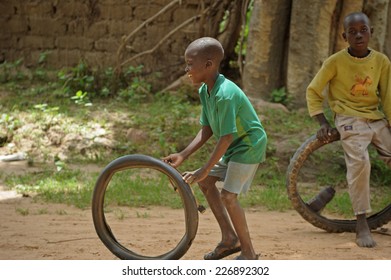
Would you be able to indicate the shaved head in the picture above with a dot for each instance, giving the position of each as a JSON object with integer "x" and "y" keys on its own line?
{"x": 356, "y": 16}
{"x": 206, "y": 48}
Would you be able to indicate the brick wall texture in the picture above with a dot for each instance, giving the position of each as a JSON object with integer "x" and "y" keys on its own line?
{"x": 92, "y": 30}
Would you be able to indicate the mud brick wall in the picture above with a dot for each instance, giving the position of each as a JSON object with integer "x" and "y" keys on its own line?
{"x": 92, "y": 30}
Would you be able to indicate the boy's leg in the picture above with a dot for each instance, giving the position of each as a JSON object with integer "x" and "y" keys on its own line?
{"x": 238, "y": 180}
{"x": 239, "y": 222}
{"x": 381, "y": 140}
{"x": 229, "y": 240}
{"x": 356, "y": 136}
{"x": 358, "y": 174}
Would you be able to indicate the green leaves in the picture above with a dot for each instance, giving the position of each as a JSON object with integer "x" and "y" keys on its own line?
{"x": 81, "y": 98}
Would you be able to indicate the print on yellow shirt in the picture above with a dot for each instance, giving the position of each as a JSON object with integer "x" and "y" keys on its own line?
{"x": 360, "y": 87}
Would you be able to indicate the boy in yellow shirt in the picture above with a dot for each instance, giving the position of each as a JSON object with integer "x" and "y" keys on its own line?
{"x": 359, "y": 94}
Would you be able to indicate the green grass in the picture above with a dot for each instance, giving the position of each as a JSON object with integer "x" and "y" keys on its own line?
{"x": 128, "y": 189}
{"x": 72, "y": 187}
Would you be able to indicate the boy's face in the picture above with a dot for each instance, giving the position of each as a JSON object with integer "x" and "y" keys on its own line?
{"x": 196, "y": 66}
{"x": 357, "y": 33}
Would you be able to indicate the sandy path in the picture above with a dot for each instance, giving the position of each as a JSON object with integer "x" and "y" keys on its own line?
{"x": 35, "y": 231}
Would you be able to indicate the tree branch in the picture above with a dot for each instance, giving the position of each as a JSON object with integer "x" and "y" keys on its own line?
{"x": 146, "y": 22}
{"x": 163, "y": 39}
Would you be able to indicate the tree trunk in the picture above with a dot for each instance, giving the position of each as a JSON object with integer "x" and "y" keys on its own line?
{"x": 309, "y": 45}
{"x": 347, "y": 7}
{"x": 266, "y": 47}
{"x": 377, "y": 11}
{"x": 387, "y": 49}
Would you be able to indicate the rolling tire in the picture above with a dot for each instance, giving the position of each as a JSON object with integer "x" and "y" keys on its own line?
{"x": 330, "y": 225}
{"x": 142, "y": 161}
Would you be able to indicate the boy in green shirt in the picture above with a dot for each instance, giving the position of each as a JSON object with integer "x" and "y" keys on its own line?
{"x": 241, "y": 145}
{"x": 359, "y": 95}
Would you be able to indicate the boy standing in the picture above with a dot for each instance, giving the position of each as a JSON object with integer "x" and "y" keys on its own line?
{"x": 241, "y": 144}
{"x": 359, "y": 95}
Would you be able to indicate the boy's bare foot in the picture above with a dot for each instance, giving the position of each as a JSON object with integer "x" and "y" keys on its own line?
{"x": 363, "y": 233}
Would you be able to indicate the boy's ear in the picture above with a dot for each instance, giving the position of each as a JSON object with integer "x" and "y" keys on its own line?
{"x": 372, "y": 30}
{"x": 344, "y": 36}
{"x": 209, "y": 63}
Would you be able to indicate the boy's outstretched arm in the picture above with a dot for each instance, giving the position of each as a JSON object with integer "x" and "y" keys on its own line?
{"x": 221, "y": 147}
{"x": 325, "y": 131}
{"x": 202, "y": 136}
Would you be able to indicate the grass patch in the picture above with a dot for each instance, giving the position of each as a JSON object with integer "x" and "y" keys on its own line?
{"x": 72, "y": 187}
{"x": 129, "y": 188}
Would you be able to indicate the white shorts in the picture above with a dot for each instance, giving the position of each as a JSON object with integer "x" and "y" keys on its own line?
{"x": 237, "y": 177}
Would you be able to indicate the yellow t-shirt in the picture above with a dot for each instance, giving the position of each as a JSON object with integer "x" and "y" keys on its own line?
{"x": 358, "y": 87}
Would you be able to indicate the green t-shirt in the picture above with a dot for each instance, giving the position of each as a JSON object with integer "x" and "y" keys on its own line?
{"x": 227, "y": 110}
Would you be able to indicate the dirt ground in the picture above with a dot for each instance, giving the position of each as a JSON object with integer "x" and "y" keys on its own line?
{"x": 31, "y": 230}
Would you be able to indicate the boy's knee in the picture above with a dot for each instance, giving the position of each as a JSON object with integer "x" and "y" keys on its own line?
{"x": 358, "y": 161}
{"x": 206, "y": 184}
{"x": 228, "y": 198}
{"x": 363, "y": 164}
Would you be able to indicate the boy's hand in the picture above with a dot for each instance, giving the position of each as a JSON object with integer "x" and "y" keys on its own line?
{"x": 195, "y": 176}
{"x": 325, "y": 132}
{"x": 174, "y": 159}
